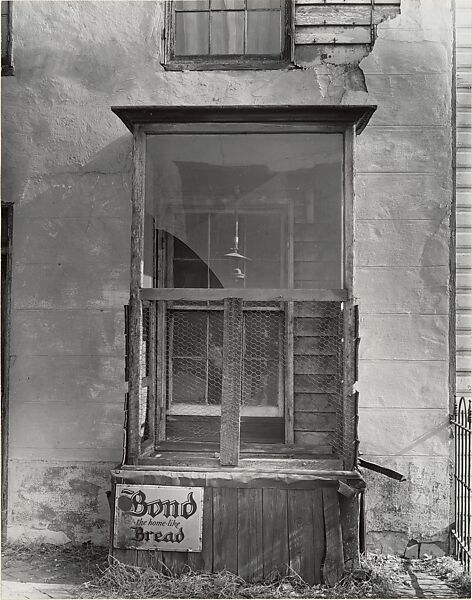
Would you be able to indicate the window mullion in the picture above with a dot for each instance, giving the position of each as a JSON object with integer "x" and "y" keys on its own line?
{"x": 209, "y": 30}
{"x": 232, "y": 381}
{"x": 245, "y": 28}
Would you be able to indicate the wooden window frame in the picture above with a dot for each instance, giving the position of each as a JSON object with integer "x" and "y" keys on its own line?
{"x": 213, "y": 62}
{"x": 163, "y": 277}
{"x": 349, "y": 120}
{"x": 7, "y": 59}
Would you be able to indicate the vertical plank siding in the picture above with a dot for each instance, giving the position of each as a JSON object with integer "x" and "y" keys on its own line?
{"x": 258, "y": 533}
{"x": 463, "y": 197}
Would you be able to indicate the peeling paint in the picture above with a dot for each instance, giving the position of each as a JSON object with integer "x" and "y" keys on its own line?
{"x": 67, "y": 168}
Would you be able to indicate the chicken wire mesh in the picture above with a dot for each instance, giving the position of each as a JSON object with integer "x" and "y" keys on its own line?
{"x": 318, "y": 374}
{"x": 310, "y": 352}
{"x": 146, "y": 381}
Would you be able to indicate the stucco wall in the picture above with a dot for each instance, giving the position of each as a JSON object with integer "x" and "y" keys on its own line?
{"x": 66, "y": 166}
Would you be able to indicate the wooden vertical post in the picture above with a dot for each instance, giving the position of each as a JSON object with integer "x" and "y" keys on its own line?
{"x": 349, "y": 400}
{"x": 133, "y": 446}
{"x": 349, "y": 316}
{"x": 232, "y": 381}
{"x": 289, "y": 337}
{"x": 348, "y": 210}
{"x": 289, "y": 373}
{"x": 7, "y": 234}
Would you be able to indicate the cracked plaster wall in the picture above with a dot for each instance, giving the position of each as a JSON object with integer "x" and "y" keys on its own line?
{"x": 66, "y": 166}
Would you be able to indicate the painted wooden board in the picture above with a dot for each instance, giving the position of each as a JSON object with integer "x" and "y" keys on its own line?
{"x": 313, "y": 438}
{"x": 332, "y": 14}
{"x": 312, "y": 346}
{"x": 333, "y": 35}
{"x": 275, "y": 549}
{"x": 322, "y": 384}
{"x": 333, "y": 566}
{"x": 250, "y": 541}
{"x": 305, "y": 421}
{"x": 151, "y": 559}
{"x": 315, "y": 326}
{"x": 314, "y": 402}
{"x": 225, "y": 528}
{"x": 306, "y": 541}
{"x": 315, "y": 365}
{"x": 174, "y": 562}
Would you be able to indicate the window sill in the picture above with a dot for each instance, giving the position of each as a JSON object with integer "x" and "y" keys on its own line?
{"x": 230, "y": 65}
{"x": 253, "y": 458}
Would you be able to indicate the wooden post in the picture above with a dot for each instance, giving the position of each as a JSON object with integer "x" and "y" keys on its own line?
{"x": 349, "y": 400}
{"x": 232, "y": 381}
{"x": 133, "y": 446}
{"x": 349, "y": 509}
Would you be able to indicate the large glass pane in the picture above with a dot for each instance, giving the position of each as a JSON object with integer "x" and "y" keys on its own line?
{"x": 191, "y": 4}
{"x": 248, "y": 210}
{"x": 192, "y": 33}
{"x": 227, "y": 32}
{"x": 254, "y": 4}
{"x": 227, "y": 4}
{"x": 263, "y": 32}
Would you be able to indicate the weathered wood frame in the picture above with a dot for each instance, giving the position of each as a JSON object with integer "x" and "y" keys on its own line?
{"x": 7, "y": 215}
{"x": 7, "y": 59}
{"x": 218, "y": 62}
{"x": 147, "y": 120}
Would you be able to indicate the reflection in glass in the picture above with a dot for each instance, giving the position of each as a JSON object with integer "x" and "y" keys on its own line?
{"x": 266, "y": 206}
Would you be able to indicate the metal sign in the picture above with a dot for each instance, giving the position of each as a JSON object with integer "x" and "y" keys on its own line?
{"x": 154, "y": 517}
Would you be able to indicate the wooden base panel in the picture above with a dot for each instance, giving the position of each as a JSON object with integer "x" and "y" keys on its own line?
{"x": 260, "y": 533}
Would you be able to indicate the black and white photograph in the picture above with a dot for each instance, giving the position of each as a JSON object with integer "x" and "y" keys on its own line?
{"x": 236, "y": 300}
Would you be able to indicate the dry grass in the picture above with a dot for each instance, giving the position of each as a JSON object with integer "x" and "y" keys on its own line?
{"x": 48, "y": 563}
{"x": 375, "y": 580}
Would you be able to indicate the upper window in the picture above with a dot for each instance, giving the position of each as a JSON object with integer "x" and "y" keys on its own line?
{"x": 211, "y": 34}
{"x": 7, "y": 67}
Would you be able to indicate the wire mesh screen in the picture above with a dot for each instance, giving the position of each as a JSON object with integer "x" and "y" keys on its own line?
{"x": 194, "y": 365}
{"x": 146, "y": 381}
{"x": 291, "y": 365}
{"x": 318, "y": 374}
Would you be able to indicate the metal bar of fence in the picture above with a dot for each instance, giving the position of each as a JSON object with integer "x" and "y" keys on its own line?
{"x": 461, "y": 533}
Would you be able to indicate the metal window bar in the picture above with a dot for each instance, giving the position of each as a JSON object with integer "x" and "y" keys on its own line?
{"x": 461, "y": 534}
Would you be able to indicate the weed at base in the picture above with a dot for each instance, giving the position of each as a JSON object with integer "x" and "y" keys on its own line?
{"x": 374, "y": 580}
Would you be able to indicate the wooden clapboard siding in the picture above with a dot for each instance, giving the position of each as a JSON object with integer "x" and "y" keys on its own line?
{"x": 316, "y": 367}
{"x": 340, "y": 21}
{"x": 463, "y": 197}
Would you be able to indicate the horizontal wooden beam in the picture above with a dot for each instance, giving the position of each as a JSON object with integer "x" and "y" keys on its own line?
{"x": 357, "y": 115}
{"x": 256, "y": 295}
{"x": 333, "y": 35}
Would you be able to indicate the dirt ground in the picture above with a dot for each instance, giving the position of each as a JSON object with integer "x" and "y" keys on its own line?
{"x": 46, "y": 563}
{"x": 84, "y": 571}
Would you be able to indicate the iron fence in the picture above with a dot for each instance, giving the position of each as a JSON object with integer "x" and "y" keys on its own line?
{"x": 461, "y": 422}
